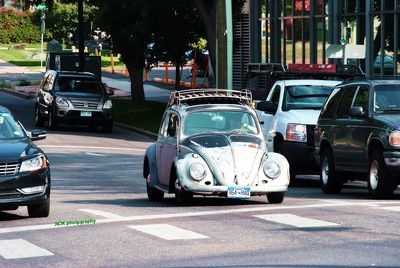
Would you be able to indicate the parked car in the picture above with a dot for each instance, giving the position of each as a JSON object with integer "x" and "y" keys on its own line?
{"x": 358, "y": 136}
{"x": 210, "y": 143}
{"x": 24, "y": 168}
{"x": 73, "y": 98}
{"x": 388, "y": 65}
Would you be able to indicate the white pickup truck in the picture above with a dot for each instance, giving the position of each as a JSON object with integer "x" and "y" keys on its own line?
{"x": 290, "y": 114}
{"x": 296, "y": 95}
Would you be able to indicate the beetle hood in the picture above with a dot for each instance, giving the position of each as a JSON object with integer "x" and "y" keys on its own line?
{"x": 233, "y": 159}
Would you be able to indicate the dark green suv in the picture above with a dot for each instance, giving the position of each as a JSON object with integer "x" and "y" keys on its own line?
{"x": 358, "y": 136}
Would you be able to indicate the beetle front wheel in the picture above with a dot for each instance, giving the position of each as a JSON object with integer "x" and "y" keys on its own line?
{"x": 276, "y": 198}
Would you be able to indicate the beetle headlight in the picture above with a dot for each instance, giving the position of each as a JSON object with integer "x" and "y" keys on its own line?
{"x": 197, "y": 171}
{"x": 271, "y": 169}
{"x": 33, "y": 164}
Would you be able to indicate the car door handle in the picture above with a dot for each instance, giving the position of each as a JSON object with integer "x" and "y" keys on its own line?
{"x": 161, "y": 144}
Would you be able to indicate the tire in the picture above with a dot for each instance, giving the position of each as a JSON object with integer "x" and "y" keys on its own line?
{"x": 153, "y": 193}
{"x": 331, "y": 183}
{"x": 278, "y": 148}
{"x": 39, "y": 119}
{"x": 380, "y": 183}
{"x": 41, "y": 210}
{"x": 182, "y": 197}
{"x": 52, "y": 122}
{"x": 276, "y": 198}
{"x": 107, "y": 127}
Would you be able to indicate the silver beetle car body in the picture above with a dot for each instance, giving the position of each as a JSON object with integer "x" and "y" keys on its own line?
{"x": 210, "y": 143}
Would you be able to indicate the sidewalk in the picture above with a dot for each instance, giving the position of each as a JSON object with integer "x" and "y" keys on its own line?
{"x": 12, "y": 74}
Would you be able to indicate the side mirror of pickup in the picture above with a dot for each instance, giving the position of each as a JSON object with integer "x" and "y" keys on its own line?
{"x": 267, "y": 107}
{"x": 357, "y": 112}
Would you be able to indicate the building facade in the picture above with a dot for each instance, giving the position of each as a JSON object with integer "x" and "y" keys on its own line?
{"x": 300, "y": 31}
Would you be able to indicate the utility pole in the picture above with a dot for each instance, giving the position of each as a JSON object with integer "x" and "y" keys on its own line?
{"x": 221, "y": 47}
{"x": 81, "y": 43}
{"x": 42, "y": 8}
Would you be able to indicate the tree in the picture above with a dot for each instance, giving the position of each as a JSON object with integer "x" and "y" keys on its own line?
{"x": 208, "y": 11}
{"x": 128, "y": 23}
{"x": 174, "y": 38}
{"x": 62, "y": 19}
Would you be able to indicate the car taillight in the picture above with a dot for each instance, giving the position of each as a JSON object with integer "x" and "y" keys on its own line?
{"x": 394, "y": 138}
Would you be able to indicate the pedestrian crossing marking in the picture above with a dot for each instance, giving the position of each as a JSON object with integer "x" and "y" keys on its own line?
{"x": 19, "y": 248}
{"x": 104, "y": 214}
{"x": 297, "y": 221}
{"x": 167, "y": 232}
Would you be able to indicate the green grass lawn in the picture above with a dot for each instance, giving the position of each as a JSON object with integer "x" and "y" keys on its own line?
{"x": 22, "y": 57}
{"x": 145, "y": 116}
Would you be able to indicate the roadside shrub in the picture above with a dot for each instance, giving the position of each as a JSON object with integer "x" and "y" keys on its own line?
{"x": 5, "y": 84}
{"x": 24, "y": 82}
{"x": 17, "y": 27}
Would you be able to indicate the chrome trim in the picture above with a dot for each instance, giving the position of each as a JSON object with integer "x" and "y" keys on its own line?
{"x": 9, "y": 168}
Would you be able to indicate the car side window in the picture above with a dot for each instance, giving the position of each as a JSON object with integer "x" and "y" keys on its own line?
{"x": 344, "y": 108}
{"x": 173, "y": 124}
{"x": 361, "y": 98}
{"x": 276, "y": 95}
{"x": 331, "y": 104}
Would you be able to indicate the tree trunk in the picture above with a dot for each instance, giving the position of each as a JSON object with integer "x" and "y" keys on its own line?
{"x": 136, "y": 77}
{"x": 208, "y": 16}
{"x": 177, "y": 75}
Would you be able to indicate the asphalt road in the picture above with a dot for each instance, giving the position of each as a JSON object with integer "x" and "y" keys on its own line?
{"x": 98, "y": 176}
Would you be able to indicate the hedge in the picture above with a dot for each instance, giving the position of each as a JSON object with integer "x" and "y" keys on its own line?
{"x": 17, "y": 27}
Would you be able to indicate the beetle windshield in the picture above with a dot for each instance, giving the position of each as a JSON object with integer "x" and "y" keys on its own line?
{"x": 305, "y": 97}
{"x": 9, "y": 128}
{"x": 386, "y": 98}
{"x": 219, "y": 121}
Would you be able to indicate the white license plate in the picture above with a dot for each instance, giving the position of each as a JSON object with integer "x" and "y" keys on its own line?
{"x": 86, "y": 114}
{"x": 238, "y": 192}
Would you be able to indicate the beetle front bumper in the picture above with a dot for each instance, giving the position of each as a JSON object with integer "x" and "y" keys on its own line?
{"x": 220, "y": 189}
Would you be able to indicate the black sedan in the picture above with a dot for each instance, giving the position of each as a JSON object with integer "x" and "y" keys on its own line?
{"x": 24, "y": 168}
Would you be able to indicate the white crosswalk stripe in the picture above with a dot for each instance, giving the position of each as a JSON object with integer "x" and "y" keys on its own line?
{"x": 104, "y": 214}
{"x": 396, "y": 208}
{"x": 167, "y": 232}
{"x": 19, "y": 248}
{"x": 297, "y": 221}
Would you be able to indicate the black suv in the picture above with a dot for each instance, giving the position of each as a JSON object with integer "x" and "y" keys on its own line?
{"x": 73, "y": 98}
{"x": 358, "y": 136}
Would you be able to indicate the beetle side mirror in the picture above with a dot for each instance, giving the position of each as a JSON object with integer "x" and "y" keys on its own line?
{"x": 38, "y": 134}
{"x": 357, "y": 112}
{"x": 267, "y": 107}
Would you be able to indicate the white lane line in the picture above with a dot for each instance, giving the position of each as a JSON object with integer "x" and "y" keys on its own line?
{"x": 257, "y": 208}
{"x": 104, "y": 214}
{"x": 396, "y": 208}
{"x": 297, "y": 221}
{"x": 19, "y": 248}
{"x": 91, "y": 147}
{"x": 95, "y": 154}
{"x": 167, "y": 232}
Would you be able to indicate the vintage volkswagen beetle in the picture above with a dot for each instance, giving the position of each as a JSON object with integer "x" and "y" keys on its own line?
{"x": 210, "y": 143}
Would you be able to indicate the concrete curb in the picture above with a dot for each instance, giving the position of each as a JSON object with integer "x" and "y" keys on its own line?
{"x": 137, "y": 130}
{"x": 17, "y": 93}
